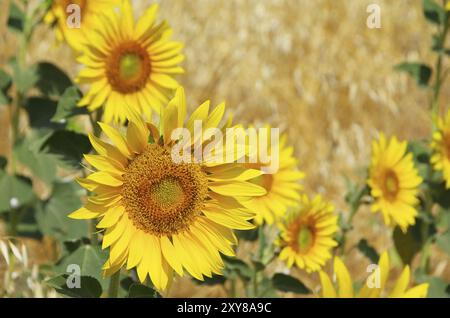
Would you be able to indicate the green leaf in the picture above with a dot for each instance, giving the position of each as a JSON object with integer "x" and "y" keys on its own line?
{"x": 42, "y": 165}
{"x": 71, "y": 246}
{"x": 40, "y": 111}
{"x": 141, "y": 291}
{"x": 67, "y": 105}
{"x": 410, "y": 243}
{"x": 247, "y": 235}
{"x": 16, "y": 18}
{"x": 443, "y": 241}
{"x": 52, "y": 81}
{"x": 5, "y": 80}
{"x": 368, "y": 251}
{"x": 286, "y": 283}
{"x": 24, "y": 79}
{"x": 89, "y": 287}
{"x": 16, "y": 191}
{"x": 210, "y": 281}
{"x": 69, "y": 146}
{"x": 266, "y": 289}
{"x": 437, "y": 288}
{"x": 434, "y": 12}
{"x": 421, "y": 73}
{"x": 5, "y": 83}
{"x": 3, "y": 163}
{"x": 4, "y": 100}
{"x": 52, "y": 214}
{"x": 355, "y": 193}
{"x": 440, "y": 194}
{"x": 420, "y": 151}
{"x": 236, "y": 268}
{"x": 28, "y": 227}
{"x": 89, "y": 258}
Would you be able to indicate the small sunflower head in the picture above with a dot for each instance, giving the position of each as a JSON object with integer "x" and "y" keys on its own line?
{"x": 82, "y": 15}
{"x": 394, "y": 182}
{"x": 307, "y": 234}
{"x": 283, "y": 186}
{"x": 441, "y": 148}
{"x": 129, "y": 64}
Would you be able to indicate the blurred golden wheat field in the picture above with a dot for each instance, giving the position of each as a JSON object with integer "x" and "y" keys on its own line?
{"x": 311, "y": 68}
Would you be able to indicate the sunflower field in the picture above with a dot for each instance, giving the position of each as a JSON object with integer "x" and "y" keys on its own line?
{"x": 224, "y": 149}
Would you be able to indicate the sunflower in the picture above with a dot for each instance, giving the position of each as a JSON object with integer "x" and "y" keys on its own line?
{"x": 128, "y": 63}
{"x": 394, "y": 182}
{"x": 307, "y": 234}
{"x": 161, "y": 216}
{"x": 282, "y": 185}
{"x": 441, "y": 148}
{"x": 370, "y": 288}
{"x": 60, "y": 12}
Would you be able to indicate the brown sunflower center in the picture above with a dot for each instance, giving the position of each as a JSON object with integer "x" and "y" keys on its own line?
{"x": 305, "y": 239}
{"x": 128, "y": 67}
{"x": 391, "y": 185}
{"x": 302, "y": 235}
{"x": 447, "y": 144}
{"x": 160, "y": 196}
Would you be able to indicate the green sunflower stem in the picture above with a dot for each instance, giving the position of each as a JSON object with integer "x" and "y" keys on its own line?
{"x": 439, "y": 78}
{"x": 232, "y": 288}
{"x": 114, "y": 282}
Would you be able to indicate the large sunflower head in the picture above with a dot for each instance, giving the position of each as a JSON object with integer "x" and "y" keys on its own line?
{"x": 394, "y": 182}
{"x": 282, "y": 184}
{"x": 160, "y": 215}
{"x": 61, "y": 12}
{"x": 441, "y": 148}
{"x": 129, "y": 65}
{"x": 307, "y": 234}
{"x": 375, "y": 284}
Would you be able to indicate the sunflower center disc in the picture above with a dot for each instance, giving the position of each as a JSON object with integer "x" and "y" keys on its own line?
{"x": 167, "y": 192}
{"x": 160, "y": 196}
{"x": 305, "y": 239}
{"x": 128, "y": 67}
{"x": 447, "y": 145}
{"x": 391, "y": 185}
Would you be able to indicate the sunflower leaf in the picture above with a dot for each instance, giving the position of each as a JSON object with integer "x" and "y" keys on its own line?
{"x": 67, "y": 105}
{"x": 89, "y": 258}
{"x": 368, "y": 251}
{"x": 140, "y": 291}
{"x": 51, "y": 80}
{"x": 286, "y": 283}
{"x": 16, "y": 191}
{"x": 236, "y": 268}
{"x": 89, "y": 287}
{"x": 52, "y": 217}
{"x": 421, "y": 73}
{"x": 16, "y": 18}
{"x": 434, "y": 12}
{"x": 69, "y": 152}
{"x": 42, "y": 165}
{"x": 5, "y": 83}
{"x": 410, "y": 243}
{"x": 23, "y": 78}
